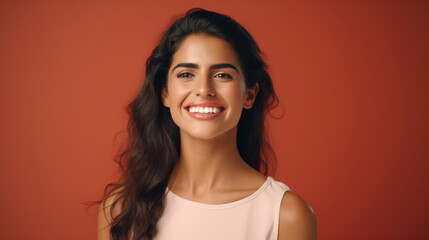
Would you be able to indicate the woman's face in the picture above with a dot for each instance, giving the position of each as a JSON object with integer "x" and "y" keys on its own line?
{"x": 206, "y": 89}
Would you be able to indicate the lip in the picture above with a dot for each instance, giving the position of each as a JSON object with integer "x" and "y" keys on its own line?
{"x": 204, "y": 116}
{"x": 205, "y": 104}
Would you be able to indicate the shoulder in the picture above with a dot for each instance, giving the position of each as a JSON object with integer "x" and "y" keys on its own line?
{"x": 297, "y": 219}
{"x": 109, "y": 208}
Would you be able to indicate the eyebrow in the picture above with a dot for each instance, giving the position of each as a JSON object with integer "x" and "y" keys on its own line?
{"x": 214, "y": 66}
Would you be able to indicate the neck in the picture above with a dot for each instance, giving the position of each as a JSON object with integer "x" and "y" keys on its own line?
{"x": 205, "y": 164}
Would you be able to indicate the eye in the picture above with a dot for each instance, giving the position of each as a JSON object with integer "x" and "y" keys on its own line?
{"x": 185, "y": 75}
{"x": 223, "y": 75}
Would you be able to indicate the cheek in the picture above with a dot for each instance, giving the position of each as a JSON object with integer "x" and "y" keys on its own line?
{"x": 235, "y": 94}
{"x": 176, "y": 94}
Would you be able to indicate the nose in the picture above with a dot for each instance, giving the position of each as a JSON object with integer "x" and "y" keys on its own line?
{"x": 205, "y": 87}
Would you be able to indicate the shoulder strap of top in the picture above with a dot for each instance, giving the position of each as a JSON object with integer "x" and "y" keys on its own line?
{"x": 278, "y": 190}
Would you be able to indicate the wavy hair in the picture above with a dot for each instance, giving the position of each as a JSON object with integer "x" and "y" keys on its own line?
{"x": 153, "y": 147}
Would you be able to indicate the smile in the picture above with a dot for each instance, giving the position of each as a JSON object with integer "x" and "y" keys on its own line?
{"x": 209, "y": 110}
{"x": 205, "y": 111}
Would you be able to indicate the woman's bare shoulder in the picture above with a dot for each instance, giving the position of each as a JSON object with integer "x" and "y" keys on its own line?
{"x": 297, "y": 219}
{"x": 109, "y": 208}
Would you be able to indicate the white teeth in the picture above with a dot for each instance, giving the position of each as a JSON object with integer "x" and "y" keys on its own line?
{"x": 209, "y": 110}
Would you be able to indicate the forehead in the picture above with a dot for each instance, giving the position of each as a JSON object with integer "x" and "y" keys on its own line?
{"x": 203, "y": 50}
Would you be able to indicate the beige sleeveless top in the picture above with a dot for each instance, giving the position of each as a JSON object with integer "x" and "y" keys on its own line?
{"x": 253, "y": 217}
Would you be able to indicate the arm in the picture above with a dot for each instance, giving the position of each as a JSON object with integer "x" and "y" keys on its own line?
{"x": 103, "y": 223}
{"x": 297, "y": 220}
{"x": 105, "y": 217}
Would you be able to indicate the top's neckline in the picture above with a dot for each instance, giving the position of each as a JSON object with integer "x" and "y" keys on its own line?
{"x": 222, "y": 205}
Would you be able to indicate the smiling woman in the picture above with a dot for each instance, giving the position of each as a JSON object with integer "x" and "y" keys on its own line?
{"x": 196, "y": 166}
{"x": 206, "y": 83}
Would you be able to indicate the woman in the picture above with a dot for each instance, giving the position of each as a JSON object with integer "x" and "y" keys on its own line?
{"x": 198, "y": 144}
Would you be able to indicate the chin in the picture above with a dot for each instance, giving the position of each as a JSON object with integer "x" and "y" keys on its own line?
{"x": 207, "y": 134}
{"x": 203, "y": 135}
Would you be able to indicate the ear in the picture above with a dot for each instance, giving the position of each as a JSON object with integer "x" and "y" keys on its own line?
{"x": 251, "y": 94}
{"x": 164, "y": 96}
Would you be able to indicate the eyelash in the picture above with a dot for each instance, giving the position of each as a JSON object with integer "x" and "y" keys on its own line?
{"x": 189, "y": 75}
{"x": 223, "y": 75}
{"x": 185, "y": 75}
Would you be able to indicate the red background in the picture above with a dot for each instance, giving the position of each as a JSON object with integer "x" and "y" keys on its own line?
{"x": 352, "y": 78}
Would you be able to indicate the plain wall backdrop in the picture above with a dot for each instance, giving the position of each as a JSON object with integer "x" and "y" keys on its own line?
{"x": 352, "y": 78}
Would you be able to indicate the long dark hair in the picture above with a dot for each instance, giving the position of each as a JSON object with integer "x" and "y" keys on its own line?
{"x": 154, "y": 143}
